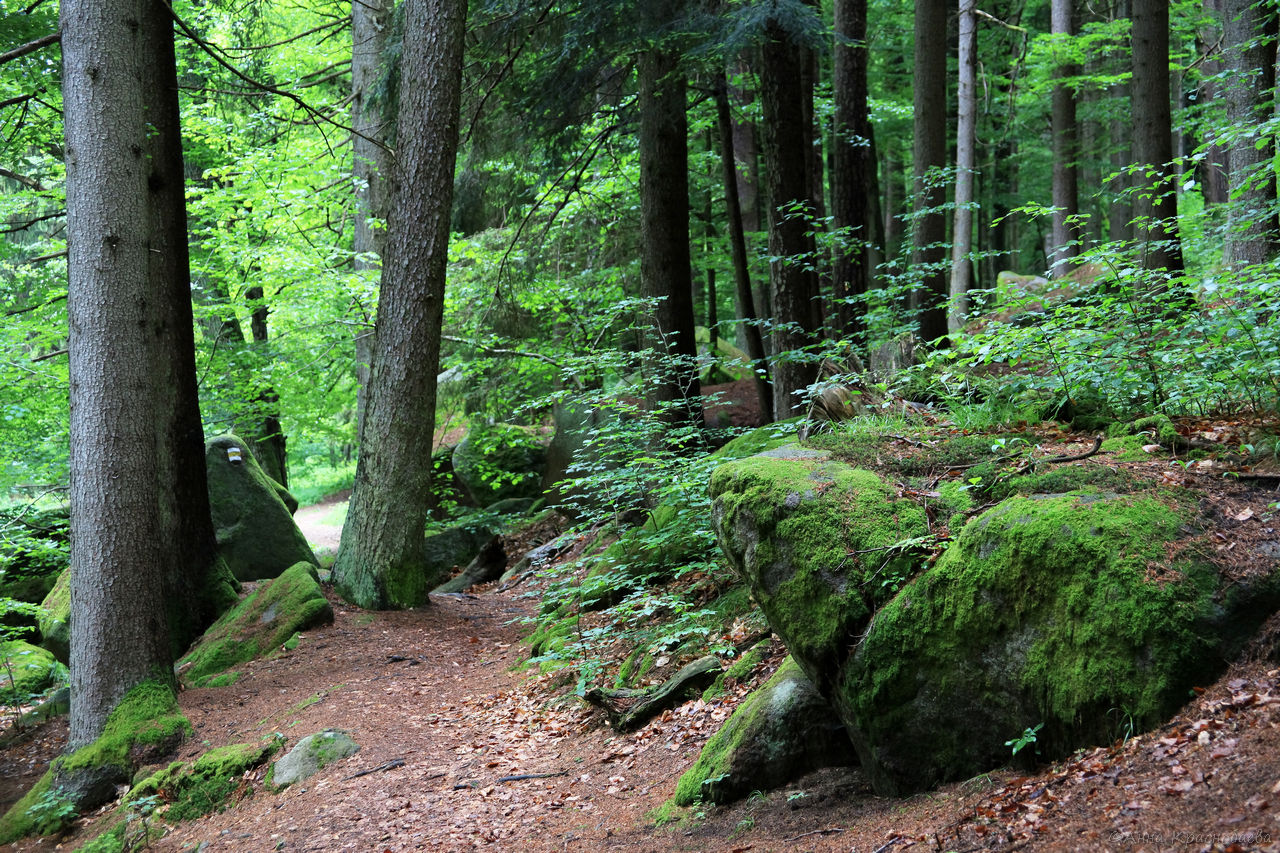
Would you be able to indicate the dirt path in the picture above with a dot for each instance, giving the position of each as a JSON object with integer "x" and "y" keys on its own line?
{"x": 321, "y": 523}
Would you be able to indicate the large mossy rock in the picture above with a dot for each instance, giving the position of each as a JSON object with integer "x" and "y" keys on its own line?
{"x": 501, "y": 461}
{"x": 781, "y": 732}
{"x": 818, "y": 543}
{"x": 26, "y": 670}
{"x": 312, "y": 754}
{"x": 55, "y": 618}
{"x": 251, "y": 514}
{"x": 1079, "y": 611}
{"x": 261, "y": 623}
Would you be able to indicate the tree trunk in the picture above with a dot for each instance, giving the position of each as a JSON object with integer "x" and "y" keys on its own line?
{"x": 853, "y": 169}
{"x": 268, "y": 439}
{"x": 1066, "y": 185}
{"x": 371, "y": 163}
{"x": 929, "y": 155}
{"x": 738, "y": 248}
{"x": 966, "y": 165}
{"x": 142, "y": 541}
{"x": 381, "y": 561}
{"x": 666, "y": 269}
{"x": 1212, "y": 170}
{"x": 1155, "y": 204}
{"x": 792, "y": 282}
{"x": 1250, "y": 31}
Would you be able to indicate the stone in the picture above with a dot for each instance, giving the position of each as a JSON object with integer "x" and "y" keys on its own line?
{"x": 500, "y": 461}
{"x": 54, "y": 618}
{"x": 778, "y": 734}
{"x": 488, "y": 565}
{"x": 26, "y": 670}
{"x": 311, "y": 755}
{"x": 257, "y": 536}
{"x": 1074, "y": 610}
{"x": 264, "y": 620}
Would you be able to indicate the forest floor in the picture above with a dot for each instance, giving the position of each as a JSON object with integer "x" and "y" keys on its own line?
{"x": 461, "y": 748}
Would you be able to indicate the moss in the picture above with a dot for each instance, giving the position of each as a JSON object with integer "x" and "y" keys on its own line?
{"x": 765, "y": 438}
{"x": 26, "y": 670}
{"x": 1128, "y": 448}
{"x": 259, "y": 624}
{"x": 738, "y": 670}
{"x": 816, "y": 540}
{"x": 1059, "y": 479}
{"x": 193, "y": 789}
{"x": 879, "y": 452}
{"x": 146, "y": 720}
{"x": 1042, "y": 611}
{"x": 55, "y": 618}
{"x": 226, "y": 679}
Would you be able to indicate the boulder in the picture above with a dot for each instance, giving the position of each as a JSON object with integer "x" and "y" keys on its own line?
{"x": 820, "y": 543}
{"x": 251, "y": 514}
{"x": 55, "y": 618}
{"x": 33, "y": 551}
{"x": 462, "y": 543}
{"x": 261, "y": 623}
{"x": 1079, "y": 611}
{"x": 26, "y": 670}
{"x": 778, "y": 734}
{"x": 312, "y": 754}
{"x": 488, "y": 565}
{"x": 500, "y": 461}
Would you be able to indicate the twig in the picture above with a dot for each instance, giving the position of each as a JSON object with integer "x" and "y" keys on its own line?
{"x": 830, "y": 831}
{"x": 1097, "y": 445}
{"x": 520, "y": 777}
{"x": 514, "y": 582}
{"x": 390, "y": 765}
{"x": 30, "y": 47}
{"x": 911, "y": 441}
{"x": 884, "y": 847}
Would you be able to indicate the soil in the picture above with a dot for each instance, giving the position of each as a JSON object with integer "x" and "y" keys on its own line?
{"x": 461, "y": 748}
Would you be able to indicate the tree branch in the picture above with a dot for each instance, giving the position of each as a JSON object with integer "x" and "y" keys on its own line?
{"x": 30, "y": 47}
{"x": 29, "y": 183}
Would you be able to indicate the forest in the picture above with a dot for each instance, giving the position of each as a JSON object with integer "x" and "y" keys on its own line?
{"x": 749, "y": 335}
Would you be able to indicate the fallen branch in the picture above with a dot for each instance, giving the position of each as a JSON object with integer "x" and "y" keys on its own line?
{"x": 831, "y": 831}
{"x": 520, "y": 777}
{"x": 390, "y": 765}
{"x": 1097, "y": 445}
{"x": 651, "y": 701}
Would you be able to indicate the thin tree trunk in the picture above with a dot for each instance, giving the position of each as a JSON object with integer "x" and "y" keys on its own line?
{"x": 1066, "y": 152}
{"x": 1156, "y": 204}
{"x": 929, "y": 234}
{"x": 966, "y": 165}
{"x": 738, "y": 248}
{"x": 371, "y": 163}
{"x": 381, "y": 561}
{"x": 793, "y": 284}
{"x": 853, "y": 169}
{"x": 1250, "y": 33}
{"x": 665, "y": 266}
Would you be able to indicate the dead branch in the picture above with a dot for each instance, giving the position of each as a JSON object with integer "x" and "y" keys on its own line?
{"x": 30, "y": 47}
{"x": 390, "y": 765}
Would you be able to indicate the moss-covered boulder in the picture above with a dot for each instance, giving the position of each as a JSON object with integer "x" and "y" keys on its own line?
{"x": 191, "y": 789}
{"x": 781, "y": 732}
{"x": 55, "y": 618}
{"x": 500, "y": 461}
{"x": 1078, "y": 611}
{"x": 312, "y": 754}
{"x": 251, "y": 517}
{"x": 261, "y": 623}
{"x": 820, "y": 543}
{"x": 26, "y": 670}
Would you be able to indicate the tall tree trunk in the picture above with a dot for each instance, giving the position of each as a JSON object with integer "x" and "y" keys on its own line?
{"x": 738, "y": 248}
{"x": 666, "y": 272}
{"x": 371, "y": 163}
{"x": 1066, "y": 151}
{"x": 381, "y": 562}
{"x": 1250, "y": 32}
{"x": 929, "y": 156}
{"x": 1212, "y": 170}
{"x": 1120, "y": 212}
{"x": 853, "y": 170}
{"x": 1156, "y": 203}
{"x": 142, "y": 545}
{"x": 268, "y": 439}
{"x": 792, "y": 282}
{"x": 966, "y": 165}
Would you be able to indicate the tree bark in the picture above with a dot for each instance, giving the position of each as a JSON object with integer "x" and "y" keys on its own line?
{"x": 1250, "y": 31}
{"x": 142, "y": 543}
{"x": 738, "y": 248}
{"x": 1066, "y": 151}
{"x": 853, "y": 173}
{"x": 371, "y": 163}
{"x": 1155, "y": 204}
{"x": 966, "y": 166}
{"x": 792, "y": 282}
{"x": 381, "y": 562}
{"x": 666, "y": 269}
{"x": 929, "y": 155}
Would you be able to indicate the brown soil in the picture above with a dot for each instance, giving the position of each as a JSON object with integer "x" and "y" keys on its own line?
{"x": 445, "y": 717}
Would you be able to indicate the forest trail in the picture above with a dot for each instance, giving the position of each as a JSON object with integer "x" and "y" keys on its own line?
{"x": 321, "y": 522}
{"x": 462, "y": 750}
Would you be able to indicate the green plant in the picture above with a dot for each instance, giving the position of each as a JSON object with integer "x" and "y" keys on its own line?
{"x": 138, "y": 822}
{"x": 1027, "y": 738}
{"x": 52, "y": 812}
